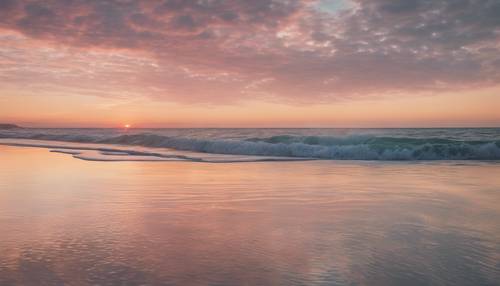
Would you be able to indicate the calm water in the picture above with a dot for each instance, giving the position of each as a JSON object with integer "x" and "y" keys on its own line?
{"x": 74, "y": 222}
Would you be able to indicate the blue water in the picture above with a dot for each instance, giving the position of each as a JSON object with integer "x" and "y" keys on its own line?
{"x": 336, "y": 144}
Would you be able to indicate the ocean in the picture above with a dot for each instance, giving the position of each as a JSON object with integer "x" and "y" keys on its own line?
{"x": 330, "y": 144}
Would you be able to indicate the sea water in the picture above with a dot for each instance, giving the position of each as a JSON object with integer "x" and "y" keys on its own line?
{"x": 336, "y": 144}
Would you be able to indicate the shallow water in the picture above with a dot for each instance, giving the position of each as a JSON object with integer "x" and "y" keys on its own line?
{"x": 74, "y": 222}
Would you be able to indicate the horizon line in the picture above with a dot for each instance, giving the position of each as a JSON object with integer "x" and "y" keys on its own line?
{"x": 213, "y": 127}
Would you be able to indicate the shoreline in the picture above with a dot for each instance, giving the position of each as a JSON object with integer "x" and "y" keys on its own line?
{"x": 67, "y": 221}
{"x": 104, "y": 152}
{"x": 75, "y": 153}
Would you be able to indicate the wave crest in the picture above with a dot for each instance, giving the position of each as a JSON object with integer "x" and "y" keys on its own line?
{"x": 356, "y": 147}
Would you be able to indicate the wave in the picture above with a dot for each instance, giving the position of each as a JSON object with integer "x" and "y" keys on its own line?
{"x": 354, "y": 147}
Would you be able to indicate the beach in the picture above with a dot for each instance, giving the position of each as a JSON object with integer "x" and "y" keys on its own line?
{"x": 252, "y": 143}
{"x": 319, "y": 222}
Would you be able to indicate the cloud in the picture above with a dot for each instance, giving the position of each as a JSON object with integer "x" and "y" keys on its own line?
{"x": 222, "y": 51}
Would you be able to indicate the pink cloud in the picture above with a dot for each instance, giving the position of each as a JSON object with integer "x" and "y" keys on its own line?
{"x": 217, "y": 51}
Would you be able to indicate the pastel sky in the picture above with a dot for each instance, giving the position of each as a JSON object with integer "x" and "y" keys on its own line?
{"x": 258, "y": 63}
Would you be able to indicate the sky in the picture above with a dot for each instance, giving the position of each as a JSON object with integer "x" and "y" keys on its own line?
{"x": 259, "y": 63}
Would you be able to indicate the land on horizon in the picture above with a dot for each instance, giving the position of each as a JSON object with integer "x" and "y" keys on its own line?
{"x": 8, "y": 126}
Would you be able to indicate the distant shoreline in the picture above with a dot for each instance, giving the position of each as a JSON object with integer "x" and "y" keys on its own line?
{"x": 13, "y": 126}
{"x": 9, "y": 126}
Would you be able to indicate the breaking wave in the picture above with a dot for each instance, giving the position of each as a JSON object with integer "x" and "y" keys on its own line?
{"x": 353, "y": 147}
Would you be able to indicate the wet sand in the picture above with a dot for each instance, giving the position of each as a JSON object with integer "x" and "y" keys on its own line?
{"x": 74, "y": 222}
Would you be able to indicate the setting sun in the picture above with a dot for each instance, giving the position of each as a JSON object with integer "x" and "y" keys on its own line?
{"x": 126, "y": 126}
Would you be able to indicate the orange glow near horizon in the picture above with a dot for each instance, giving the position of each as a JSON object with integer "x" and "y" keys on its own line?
{"x": 469, "y": 109}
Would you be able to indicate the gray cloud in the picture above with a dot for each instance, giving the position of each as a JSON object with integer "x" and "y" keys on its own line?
{"x": 292, "y": 49}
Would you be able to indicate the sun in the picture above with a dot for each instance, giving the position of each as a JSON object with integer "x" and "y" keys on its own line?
{"x": 127, "y": 126}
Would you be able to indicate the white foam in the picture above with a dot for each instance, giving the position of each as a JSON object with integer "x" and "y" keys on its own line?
{"x": 106, "y": 152}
